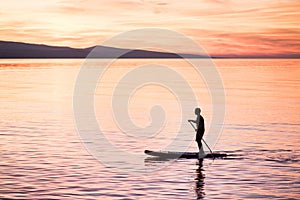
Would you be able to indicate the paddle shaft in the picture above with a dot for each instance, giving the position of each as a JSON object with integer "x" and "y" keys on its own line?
{"x": 202, "y": 139}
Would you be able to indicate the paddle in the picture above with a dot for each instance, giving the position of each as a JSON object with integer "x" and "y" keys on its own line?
{"x": 202, "y": 139}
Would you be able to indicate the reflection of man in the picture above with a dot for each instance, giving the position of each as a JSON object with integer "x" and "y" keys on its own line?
{"x": 200, "y": 130}
{"x": 199, "y": 188}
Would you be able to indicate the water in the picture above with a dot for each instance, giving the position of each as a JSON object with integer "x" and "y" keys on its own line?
{"x": 41, "y": 155}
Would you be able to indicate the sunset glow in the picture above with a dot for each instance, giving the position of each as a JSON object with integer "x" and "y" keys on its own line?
{"x": 222, "y": 27}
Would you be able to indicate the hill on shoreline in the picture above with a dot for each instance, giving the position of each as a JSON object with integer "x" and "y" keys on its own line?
{"x": 26, "y": 50}
{"x": 22, "y": 50}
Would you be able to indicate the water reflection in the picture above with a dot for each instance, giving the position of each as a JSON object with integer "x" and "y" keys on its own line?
{"x": 199, "y": 180}
{"x": 160, "y": 162}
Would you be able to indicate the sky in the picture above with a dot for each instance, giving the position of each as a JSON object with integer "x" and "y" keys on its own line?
{"x": 222, "y": 27}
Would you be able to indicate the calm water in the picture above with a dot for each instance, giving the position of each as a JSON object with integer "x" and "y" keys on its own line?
{"x": 41, "y": 155}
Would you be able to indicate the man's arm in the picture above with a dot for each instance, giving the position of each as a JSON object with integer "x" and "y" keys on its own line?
{"x": 190, "y": 120}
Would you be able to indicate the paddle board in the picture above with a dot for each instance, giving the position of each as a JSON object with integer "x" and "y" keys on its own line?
{"x": 174, "y": 154}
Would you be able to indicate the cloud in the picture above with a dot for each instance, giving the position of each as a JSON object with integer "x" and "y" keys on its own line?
{"x": 221, "y": 26}
{"x": 269, "y": 40}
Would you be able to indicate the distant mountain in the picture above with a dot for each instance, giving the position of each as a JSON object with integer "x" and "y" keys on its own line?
{"x": 26, "y": 50}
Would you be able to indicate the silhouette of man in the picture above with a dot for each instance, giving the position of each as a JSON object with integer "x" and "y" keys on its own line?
{"x": 200, "y": 129}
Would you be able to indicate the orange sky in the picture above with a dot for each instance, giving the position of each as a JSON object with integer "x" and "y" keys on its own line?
{"x": 220, "y": 26}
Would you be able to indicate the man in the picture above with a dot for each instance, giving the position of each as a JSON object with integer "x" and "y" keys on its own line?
{"x": 200, "y": 130}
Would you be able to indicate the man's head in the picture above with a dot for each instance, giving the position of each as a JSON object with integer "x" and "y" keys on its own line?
{"x": 197, "y": 111}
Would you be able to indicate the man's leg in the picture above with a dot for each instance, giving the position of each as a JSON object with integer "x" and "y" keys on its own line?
{"x": 201, "y": 151}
